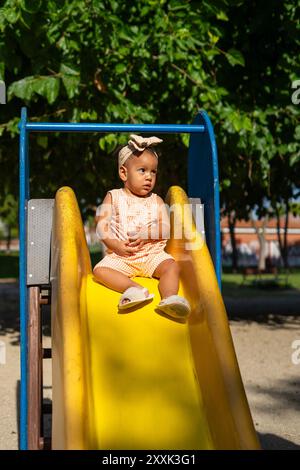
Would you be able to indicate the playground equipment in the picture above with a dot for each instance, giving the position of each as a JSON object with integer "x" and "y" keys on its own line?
{"x": 136, "y": 380}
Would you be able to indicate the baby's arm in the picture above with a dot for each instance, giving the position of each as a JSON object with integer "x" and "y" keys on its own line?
{"x": 164, "y": 220}
{"x": 103, "y": 231}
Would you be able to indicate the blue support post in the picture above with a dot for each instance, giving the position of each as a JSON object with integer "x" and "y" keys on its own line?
{"x": 23, "y": 198}
{"x": 203, "y": 182}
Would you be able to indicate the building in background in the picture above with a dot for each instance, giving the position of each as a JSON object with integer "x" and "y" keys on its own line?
{"x": 248, "y": 245}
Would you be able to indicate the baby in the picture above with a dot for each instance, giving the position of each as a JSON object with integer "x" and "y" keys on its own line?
{"x": 134, "y": 226}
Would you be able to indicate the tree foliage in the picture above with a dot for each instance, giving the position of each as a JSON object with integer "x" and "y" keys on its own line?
{"x": 153, "y": 61}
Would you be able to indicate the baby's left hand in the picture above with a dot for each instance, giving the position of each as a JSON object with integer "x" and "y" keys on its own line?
{"x": 135, "y": 241}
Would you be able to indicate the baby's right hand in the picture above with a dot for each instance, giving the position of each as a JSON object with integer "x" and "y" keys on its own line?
{"x": 123, "y": 249}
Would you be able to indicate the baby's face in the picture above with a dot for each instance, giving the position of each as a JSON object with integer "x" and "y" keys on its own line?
{"x": 141, "y": 173}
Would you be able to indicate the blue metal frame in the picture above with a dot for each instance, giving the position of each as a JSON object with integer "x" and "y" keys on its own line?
{"x": 23, "y": 198}
{"x": 90, "y": 127}
{"x": 203, "y": 183}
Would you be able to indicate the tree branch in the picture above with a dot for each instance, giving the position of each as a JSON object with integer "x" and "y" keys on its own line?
{"x": 182, "y": 71}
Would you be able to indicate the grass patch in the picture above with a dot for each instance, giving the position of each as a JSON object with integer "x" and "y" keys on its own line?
{"x": 9, "y": 263}
{"x": 268, "y": 285}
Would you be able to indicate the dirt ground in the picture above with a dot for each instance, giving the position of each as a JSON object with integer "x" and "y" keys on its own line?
{"x": 263, "y": 338}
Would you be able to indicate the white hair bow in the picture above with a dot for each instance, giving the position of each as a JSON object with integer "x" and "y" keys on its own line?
{"x": 137, "y": 144}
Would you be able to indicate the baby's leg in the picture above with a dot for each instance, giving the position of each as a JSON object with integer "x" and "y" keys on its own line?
{"x": 114, "y": 279}
{"x": 172, "y": 304}
{"x": 168, "y": 274}
{"x": 117, "y": 281}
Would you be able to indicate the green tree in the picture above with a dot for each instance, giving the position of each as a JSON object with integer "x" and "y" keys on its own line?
{"x": 259, "y": 148}
{"x": 136, "y": 61}
{"x": 151, "y": 61}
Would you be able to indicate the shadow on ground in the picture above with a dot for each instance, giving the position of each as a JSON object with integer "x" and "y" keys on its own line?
{"x": 284, "y": 396}
{"x": 18, "y": 393}
{"x": 281, "y": 402}
{"x": 276, "y": 311}
{"x": 9, "y": 311}
{"x": 273, "y": 442}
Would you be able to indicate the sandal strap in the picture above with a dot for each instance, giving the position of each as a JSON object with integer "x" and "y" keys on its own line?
{"x": 134, "y": 293}
{"x": 174, "y": 298}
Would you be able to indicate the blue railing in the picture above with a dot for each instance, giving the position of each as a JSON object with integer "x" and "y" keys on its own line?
{"x": 90, "y": 127}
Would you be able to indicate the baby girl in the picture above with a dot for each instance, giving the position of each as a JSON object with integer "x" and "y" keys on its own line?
{"x": 134, "y": 226}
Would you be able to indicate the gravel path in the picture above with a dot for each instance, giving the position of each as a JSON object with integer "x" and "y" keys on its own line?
{"x": 271, "y": 380}
{"x": 263, "y": 338}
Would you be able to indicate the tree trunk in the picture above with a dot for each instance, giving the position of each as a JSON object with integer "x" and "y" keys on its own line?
{"x": 278, "y": 232}
{"x": 261, "y": 235}
{"x": 285, "y": 239}
{"x": 8, "y": 239}
{"x": 234, "y": 254}
{"x": 283, "y": 245}
{"x": 262, "y": 251}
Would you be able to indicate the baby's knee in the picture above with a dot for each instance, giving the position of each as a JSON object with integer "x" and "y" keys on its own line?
{"x": 97, "y": 272}
{"x": 174, "y": 268}
{"x": 101, "y": 273}
{"x": 177, "y": 268}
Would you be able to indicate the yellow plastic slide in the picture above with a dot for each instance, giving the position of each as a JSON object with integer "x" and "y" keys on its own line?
{"x": 140, "y": 380}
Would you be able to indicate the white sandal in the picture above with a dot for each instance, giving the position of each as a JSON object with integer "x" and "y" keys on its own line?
{"x": 175, "y": 306}
{"x": 135, "y": 295}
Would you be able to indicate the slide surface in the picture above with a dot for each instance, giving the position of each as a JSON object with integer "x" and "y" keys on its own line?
{"x": 139, "y": 380}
